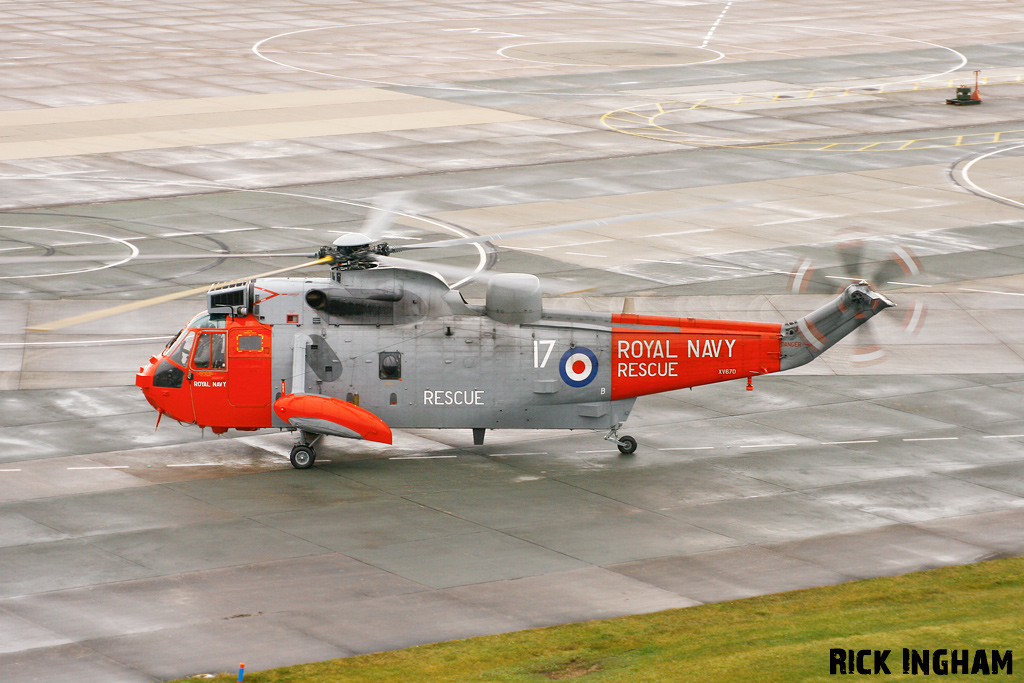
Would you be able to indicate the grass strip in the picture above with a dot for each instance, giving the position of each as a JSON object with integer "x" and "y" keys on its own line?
{"x": 781, "y": 637}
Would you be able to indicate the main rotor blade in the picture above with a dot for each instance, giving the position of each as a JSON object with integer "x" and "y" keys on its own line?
{"x": 565, "y": 226}
{"x": 380, "y": 218}
{"x": 458, "y": 273}
{"x": 144, "y": 303}
{"x": 443, "y": 269}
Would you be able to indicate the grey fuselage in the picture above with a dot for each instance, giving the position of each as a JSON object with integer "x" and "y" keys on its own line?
{"x": 405, "y": 347}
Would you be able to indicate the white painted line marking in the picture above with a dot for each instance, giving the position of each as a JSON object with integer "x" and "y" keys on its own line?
{"x": 420, "y": 457}
{"x": 576, "y": 253}
{"x": 711, "y": 32}
{"x": 615, "y": 451}
{"x": 576, "y": 244}
{"x": 689, "y": 448}
{"x": 769, "y": 445}
{"x": 651, "y": 260}
{"x": 906, "y": 284}
{"x": 101, "y": 467}
{"x": 10, "y": 470}
{"x": 682, "y": 232}
{"x": 507, "y": 454}
{"x": 937, "y": 438}
{"x": 197, "y": 464}
{"x": 1005, "y": 436}
{"x": 989, "y": 291}
{"x": 98, "y": 341}
{"x": 839, "y": 443}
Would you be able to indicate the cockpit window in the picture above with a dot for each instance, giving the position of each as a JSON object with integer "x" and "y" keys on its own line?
{"x": 179, "y": 354}
{"x": 173, "y": 339}
{"x": 210, "y": 352}
{"x": 168, "y": 376}
{"x": 204, "y": 321}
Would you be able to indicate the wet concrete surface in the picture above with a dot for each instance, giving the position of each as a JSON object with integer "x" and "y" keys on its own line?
{"x": 131, "y": 135}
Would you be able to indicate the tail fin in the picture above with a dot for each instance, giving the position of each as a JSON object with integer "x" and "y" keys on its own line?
{"x": 812, "y": 335}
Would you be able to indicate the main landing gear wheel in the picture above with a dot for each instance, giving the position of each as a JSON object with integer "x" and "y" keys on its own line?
{"x": 627, "y": 445}
{"x": 303, "y": 457}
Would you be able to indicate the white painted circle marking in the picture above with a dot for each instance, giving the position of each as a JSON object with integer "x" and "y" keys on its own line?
{"x": 134, "y": 251}
{"x": 261, "y": 45}
{"x": 608, "y": 42}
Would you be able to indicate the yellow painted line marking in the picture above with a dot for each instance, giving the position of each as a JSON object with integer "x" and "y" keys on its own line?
{"x": 667, "y": 133}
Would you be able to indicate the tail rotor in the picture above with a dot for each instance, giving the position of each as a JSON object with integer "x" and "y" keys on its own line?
{"x": 869, "y": 260}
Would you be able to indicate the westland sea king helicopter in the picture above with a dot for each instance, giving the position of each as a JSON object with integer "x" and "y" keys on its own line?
{"x": 385, "y": 343}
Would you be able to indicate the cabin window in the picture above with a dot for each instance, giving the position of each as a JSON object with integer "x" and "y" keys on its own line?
{"x": 210, "y": 352}
{"x": 390, "y": 365}
{"x": 250, "y": 343}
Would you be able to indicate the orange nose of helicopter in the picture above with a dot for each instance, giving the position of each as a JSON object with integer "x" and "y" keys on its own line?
{"x": 164, "y": 386}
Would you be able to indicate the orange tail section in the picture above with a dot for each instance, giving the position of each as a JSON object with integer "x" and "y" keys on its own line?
{"x": 651, "y": 354}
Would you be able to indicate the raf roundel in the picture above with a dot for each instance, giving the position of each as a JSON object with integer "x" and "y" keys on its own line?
{"x": 578, "y": 367}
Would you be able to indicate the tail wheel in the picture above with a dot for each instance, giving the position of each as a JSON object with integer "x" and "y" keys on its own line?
{"x": 302, "y": 457}
{"x": 627, "y": 445}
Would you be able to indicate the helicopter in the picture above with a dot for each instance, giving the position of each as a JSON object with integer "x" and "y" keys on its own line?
{"x": 386, "y": 343}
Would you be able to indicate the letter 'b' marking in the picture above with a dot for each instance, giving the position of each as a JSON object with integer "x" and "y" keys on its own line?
{"x": 578, "y": 367}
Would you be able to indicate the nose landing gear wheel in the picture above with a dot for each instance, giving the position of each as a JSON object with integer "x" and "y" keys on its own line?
{"x": 302, "y": 457}
{"x": 627, "y": 445}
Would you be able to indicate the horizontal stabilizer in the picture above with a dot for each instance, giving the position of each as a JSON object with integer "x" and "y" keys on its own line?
{"x": 331, "y": 416}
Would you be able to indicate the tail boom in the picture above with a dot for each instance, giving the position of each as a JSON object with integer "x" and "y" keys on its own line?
{"x": 807, "y": 338}
{"x": 652, "y": 354}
